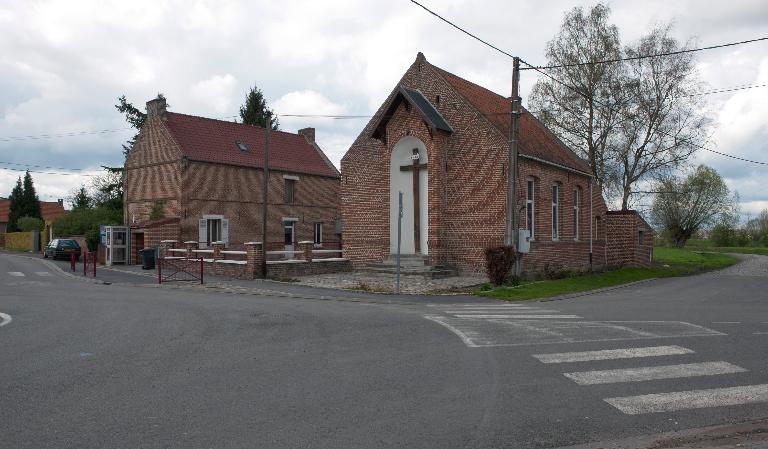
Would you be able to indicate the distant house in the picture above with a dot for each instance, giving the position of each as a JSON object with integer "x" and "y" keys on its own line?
{"x": 190, "y": 178}
{"x": 48, "y": 209}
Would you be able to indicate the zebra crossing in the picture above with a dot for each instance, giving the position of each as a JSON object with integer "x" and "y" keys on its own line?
{"x": 21, "y": 274}
{"x": 516, "y": 324}
{"x": 665, "y": 401}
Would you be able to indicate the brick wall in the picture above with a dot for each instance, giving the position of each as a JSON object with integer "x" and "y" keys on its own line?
{"x": 626, "y": 245}
{"x": 467, "y": 186}
{"x": 157, "y": 172}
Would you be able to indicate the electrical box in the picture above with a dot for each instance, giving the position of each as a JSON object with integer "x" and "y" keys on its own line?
{"x": 523, "y": 241}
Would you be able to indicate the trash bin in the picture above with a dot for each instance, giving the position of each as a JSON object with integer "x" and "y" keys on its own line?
{"x": 147, "y": 258}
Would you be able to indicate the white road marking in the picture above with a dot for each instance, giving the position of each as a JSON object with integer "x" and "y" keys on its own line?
{"x": 16, "y": 273}
{"x": 475, "y": 332}
{"x": 611, "y": 354}
{"x": 501, "y": 311}
{"x": 42, "y": 273}
{"x": 726, "y": 322}
{"x": 5, "y": 319}
{"x": 645, "y": 373}
{"x": 520, "y": 317}
{"x": 684, "y": 400}
{"x": 760, "y": 333}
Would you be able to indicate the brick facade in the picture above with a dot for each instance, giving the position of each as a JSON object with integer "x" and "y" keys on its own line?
{"x": 160, "y": 173}
{"x": 467, "y": 183}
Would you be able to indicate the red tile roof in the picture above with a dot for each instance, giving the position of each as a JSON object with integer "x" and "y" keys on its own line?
{"x": 51, "y": 209}
{"x": 5, "y": 206}
{"x": 534, "y": 138}
{"x": 209, "y": 140}
{"x": 48, "y": 209}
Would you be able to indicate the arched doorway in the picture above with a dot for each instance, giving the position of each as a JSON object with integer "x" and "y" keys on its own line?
{"x": 408, "y": 174}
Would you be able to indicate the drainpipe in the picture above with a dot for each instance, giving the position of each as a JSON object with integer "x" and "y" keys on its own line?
{"x": 590, "y": 223}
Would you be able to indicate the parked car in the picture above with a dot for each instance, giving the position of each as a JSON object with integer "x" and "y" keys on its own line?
{"x": 62, "y": 249}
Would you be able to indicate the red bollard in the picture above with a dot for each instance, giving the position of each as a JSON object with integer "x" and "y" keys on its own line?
{"x": 72, "y": 262}
{"x": 159, "y": 270}
{"x": 85, "y": 263}
{"x": 202, "y": 270}
{"x": 95, "y": 259}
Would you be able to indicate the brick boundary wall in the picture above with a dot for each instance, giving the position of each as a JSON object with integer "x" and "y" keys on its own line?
{"x": 624, "y": 247}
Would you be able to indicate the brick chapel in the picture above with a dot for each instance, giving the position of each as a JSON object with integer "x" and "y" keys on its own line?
{"x": 190, "y": 178}
{"x": 443, "y": 142}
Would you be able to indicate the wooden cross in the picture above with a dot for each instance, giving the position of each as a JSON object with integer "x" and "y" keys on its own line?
{"x": 415, "y": 168}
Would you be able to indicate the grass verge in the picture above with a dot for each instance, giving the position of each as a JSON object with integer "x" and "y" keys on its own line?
{"x": 668, "y": 262}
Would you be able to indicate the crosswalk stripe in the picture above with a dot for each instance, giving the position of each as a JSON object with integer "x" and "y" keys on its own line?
{"x": 684, "y": 400}
{"x": 42, "y": 273}
{"x": 611, "y": 354}
{"x": 653, "y": 372}
{"x": 502, "y": 316}
{"x": 16, "y": 273}
{"x": 502, "y": 311}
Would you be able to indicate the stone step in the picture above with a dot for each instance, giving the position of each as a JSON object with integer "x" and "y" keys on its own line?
{"x": 407, "y": 259}
{"x": 426, "y": 271}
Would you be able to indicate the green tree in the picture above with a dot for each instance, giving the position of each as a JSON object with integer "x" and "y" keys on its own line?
{"x": 80, "y": 199}
{"x": 27, "y": 224}
{"x": 30, "y": 201}
{"x": 86, "y": 222}
{"x": 15, "y": 210}
{"x": 255, "y": 111}
{"x": 684, "y": 205}
{"x": 108, "y": 189}
{"x": 134, "y": 117}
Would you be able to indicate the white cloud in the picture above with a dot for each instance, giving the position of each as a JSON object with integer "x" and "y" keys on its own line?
{"x": 215, "y": 93}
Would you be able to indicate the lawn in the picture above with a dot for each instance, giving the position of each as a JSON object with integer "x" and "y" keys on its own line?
{"x": 707, "y": 245}
{"x": 667, "y": 262}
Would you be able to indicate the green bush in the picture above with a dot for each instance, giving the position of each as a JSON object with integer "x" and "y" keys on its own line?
{"x": 499, "y": 261}
{"x": 27, "y": 224}
{"x": 86, "y": 222}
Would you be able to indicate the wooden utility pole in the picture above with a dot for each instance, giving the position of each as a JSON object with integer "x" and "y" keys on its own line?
{"x": 265, "y": 198}
{"x": 511, "y": 235}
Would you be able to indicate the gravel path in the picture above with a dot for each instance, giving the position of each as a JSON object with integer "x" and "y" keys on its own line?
{"x": 385, "y": 283}
{"x": 749, "y": 265}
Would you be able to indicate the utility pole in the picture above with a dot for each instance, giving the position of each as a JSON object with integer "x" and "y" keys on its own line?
{"x": 511, "y": 236}
{"x": 265, "y": 198}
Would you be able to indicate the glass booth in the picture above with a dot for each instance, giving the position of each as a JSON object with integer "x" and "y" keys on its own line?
{"x": 116, "y": 245}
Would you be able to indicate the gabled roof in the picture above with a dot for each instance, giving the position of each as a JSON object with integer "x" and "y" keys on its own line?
{"x": 48, "y": 209}
{"x": 414, "y": 97}
{"x": 209, "y": 140}
{"x": 535, "y": 140}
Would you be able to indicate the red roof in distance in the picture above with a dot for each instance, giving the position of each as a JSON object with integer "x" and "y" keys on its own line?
{"x": 48, "y": 209}
{"x": 209, "y": 140}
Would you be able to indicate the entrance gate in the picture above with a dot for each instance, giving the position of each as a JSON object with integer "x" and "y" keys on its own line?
{"x": 170, "y": 269}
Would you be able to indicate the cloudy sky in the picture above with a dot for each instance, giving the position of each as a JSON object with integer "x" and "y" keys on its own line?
{"x": 64, "y": 63}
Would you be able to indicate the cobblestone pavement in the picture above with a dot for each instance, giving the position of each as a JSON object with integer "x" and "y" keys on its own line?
{"x": 749, "y": 265}
{"x": 385, "y": 283}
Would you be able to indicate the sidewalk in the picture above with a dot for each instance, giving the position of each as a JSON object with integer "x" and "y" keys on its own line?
{"x": 135, "y": 275}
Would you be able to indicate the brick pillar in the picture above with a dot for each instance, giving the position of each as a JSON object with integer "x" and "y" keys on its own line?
{"x": 306, "y": 247}
{"x": 255, "y": 257}
{"x": 165, "y": 245}
{"x": 217, "y": 248}
{"x": 190, "y": 245}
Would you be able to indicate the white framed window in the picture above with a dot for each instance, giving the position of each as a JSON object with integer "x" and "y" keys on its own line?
{"x": 529, "y": 205}
{"x": 576, "y": 210}
{"x": 555, "y": 221}
{"x": 213, "y": 228}
{"x": 290, "y": 187}
{"x": 318, "y": 233}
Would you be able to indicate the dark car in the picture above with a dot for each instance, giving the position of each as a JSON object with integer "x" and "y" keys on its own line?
{"x": 62, "y": 249}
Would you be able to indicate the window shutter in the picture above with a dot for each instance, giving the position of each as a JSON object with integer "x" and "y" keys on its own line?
{"x": 202, "y": 232}
{"x": 225, "y": 232}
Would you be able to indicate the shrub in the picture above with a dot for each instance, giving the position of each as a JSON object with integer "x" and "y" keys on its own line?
{"x": 157, "y": 211}
{"x": 86, "y": 222}
{"x": 26, "y": 224}
{"x": 499, "y": 261}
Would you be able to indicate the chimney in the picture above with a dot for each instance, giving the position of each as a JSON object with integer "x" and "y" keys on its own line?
{"x": 156, "y": 107}
{"x": 61, "y": 202}
{"x": 308, "y": 133}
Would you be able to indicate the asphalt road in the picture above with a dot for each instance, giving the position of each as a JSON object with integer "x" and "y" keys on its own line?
{"x": 113, "y": 366}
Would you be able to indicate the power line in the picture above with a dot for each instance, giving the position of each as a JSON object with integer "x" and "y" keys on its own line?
{"x": 45, "y": 173}
{"x": 67, "y": 134}
{"x": 656, "y": 55}
{"x": 541, "y": 71}
{"x": 728, "y": 89}
{"x": 41, "y": 166}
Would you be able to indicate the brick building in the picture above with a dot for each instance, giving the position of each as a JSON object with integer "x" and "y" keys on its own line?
{"x": 49, "y": 210}
{"x": 191, "y": 178}
{"x": 442, "y": 141}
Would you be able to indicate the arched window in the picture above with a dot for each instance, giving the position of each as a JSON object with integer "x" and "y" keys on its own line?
{"x": 576, "y": 206}
{"x": 529, "y": 205}
{"x": 555, "y": 209}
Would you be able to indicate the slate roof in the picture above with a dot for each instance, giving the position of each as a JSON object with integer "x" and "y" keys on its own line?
{"x": 431, "y": 116}
{"x": 209, "y": 140}
{"x": 535, "y": 140}
{"x": 48, "y": 209}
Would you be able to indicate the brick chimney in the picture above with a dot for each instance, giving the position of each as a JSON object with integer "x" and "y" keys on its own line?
{"x": 308, "y": 133}
{"x": 156, "y": 107}
{"x": 61, "y": 202}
